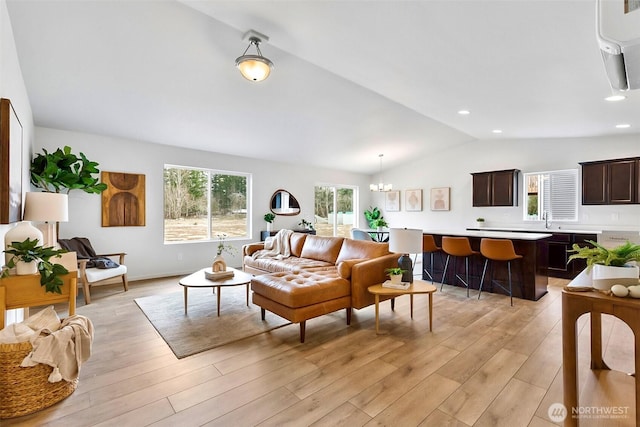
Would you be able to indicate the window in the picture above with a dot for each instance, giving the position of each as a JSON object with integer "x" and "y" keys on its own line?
{"x": 334, "y": 210}
{"x": 202, "y": 204}
{"x": 551, "y": 195}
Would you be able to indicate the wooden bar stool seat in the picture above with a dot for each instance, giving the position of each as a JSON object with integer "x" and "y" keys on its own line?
{"x": 429, "y": 246}
{"x": 457, "y": 247}
{"x": 498, "y": 250}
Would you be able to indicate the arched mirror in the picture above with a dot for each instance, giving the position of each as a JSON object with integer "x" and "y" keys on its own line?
{"x": 283, "y": 203}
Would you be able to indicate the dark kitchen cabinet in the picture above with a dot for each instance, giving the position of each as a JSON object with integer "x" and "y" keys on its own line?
{"x": 611, "y": 182}
{"x": 560, "y": 245}
{"x": 496, "y": 188}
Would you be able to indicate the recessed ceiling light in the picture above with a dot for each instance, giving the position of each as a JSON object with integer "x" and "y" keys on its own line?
{"x": 497, "y": 131}
{"x": 623, "y": 126}
{"x": 615, "y": 98}
{"x": 464, "y": 112}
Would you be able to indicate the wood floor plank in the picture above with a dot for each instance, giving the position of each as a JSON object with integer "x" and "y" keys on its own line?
{"x": 514, "y": 406}
{"x": 469, "y": 401}
{"x": 345, "y": 415}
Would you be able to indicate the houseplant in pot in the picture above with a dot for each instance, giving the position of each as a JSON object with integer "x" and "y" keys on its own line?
{"x": 269, "y": 217}
{"x": 609, "y": 266}
{"x": 395, "y": 274}
{"x": 480, "y": 222}
{"x": 29, "y": 258}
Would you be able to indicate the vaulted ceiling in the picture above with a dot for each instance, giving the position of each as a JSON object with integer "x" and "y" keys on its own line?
{"x": 352, "y": 79}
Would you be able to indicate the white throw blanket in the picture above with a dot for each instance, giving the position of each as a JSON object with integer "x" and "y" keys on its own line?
{"x": 277, "y": 246}
{"x": 65, "y": 349}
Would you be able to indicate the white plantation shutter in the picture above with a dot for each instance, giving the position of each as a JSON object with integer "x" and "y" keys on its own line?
{"x": 560, "y": 195}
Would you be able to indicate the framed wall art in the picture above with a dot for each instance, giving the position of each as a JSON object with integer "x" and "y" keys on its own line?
{"x": 440, "y": 199}
{"x": 413, "y": 200}
{"x": 123, "y": 202}
{"x": 10, "y": 164}
{"x": 392, "y": 201}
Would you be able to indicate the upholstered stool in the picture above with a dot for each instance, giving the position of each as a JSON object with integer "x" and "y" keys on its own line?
{"x": 303, "y": 295}
{"x": 498, "y": 250}
{"x": 457, "y": 247}
{"x": 429, "y": 246}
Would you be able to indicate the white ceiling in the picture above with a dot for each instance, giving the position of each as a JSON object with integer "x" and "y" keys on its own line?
{"x": 352, "y": 79}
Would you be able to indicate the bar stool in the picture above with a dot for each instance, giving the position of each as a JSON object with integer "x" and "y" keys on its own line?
{"x": 499, "y": 250}
{"x": 457, "y": 247}
{"x": 429, "y": 246}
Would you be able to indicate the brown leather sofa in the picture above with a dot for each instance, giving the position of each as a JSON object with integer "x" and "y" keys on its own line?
{"x": 322, "y": 275}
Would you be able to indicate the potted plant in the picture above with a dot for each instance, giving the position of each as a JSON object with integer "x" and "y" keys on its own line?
{"x": 379, "y": 223}
{"x": 480, "y": 222}
{"x": 610, "y": 265}
{"x": 373, "y": 215}
{"x": 63, "y": 171}
{"x": 29, "y": 258}
{"x": 269, "y": 217}
{"x": 305, "y": 224}
{"x": 395, "y": 274}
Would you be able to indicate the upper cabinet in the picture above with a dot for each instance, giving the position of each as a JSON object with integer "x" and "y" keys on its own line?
{"x": 496, "y": 188}
{"x": 611, "y": 182}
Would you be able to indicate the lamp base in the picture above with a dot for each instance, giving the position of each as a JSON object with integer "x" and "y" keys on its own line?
{"x": 404, "y": 262}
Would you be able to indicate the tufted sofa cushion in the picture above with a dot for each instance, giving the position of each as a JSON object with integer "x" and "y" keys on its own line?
{"x": 301, "y": 289}
{"x": 322, "y": 248}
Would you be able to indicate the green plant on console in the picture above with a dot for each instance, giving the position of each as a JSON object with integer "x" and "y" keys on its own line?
{"x": 28, "y": 251}
{"x": 480, "y": 219}
{"x": 374, "y": 217}
{"x": 598, "y": 254}
{"x": 64, "y": 171}
{"x": 269, "y": 217}
{"x": 306, "y": 224}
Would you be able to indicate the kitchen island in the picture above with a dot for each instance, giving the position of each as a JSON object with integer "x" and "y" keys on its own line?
{"x": 529, "y": 276}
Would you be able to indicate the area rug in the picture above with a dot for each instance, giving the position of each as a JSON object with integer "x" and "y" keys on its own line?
{"x": 201, "y": 329}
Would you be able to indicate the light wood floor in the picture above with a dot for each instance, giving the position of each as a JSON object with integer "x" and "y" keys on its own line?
{"x": 484, "y": 364}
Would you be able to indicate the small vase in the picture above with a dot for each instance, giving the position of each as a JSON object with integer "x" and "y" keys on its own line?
{"x": 480, "y": 224}
{"x": 396, "y": 278}
{"x": 269, "y": 227}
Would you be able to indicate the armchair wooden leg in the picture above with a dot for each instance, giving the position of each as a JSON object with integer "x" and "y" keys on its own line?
{"x": 125, "y": 282}
{"x": 87, "y": 292}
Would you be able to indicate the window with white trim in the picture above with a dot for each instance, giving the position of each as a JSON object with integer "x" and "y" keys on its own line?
{"x": 551, "y": 196}
{"x": 205, "y": 204}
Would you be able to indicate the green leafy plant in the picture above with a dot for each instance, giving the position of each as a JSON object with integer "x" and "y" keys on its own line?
{"x": 223, "y": 247}
{"x": 394, "y": 271}
{"x": 28, "y": 251}
{"x": 306, "y": 224}
{"x": 598, "y": 254}
{"x": 269, "y": 217}
{"x": 63, "y": 171}
{"x": 480, "y": 219}
{"x": 372, "y": 216}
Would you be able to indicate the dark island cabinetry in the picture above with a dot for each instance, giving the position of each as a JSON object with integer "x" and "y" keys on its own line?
{"x": 496, "y": 188}
{"x": 560, "y": 245}
{"x": 611, "y": 182}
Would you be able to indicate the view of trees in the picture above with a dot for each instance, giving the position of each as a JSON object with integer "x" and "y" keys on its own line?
{"x": 324, "y": 200}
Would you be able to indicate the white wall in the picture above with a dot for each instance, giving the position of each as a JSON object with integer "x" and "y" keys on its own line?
{"x": 147, "y": 255}
{"x": 452, "y": 168}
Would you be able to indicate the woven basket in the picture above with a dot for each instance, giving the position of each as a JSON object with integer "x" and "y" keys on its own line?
{"x": 27, "y": 390}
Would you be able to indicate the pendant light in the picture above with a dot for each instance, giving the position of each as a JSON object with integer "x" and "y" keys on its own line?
{"x": 380, "y": 186}
{"x": 254, "y": 67}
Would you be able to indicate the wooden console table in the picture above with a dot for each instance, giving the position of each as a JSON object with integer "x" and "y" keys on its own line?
{"x": 25, "y": 291}
{"x": 575, "y": 304}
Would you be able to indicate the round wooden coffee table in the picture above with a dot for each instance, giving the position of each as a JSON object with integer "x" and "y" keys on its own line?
{"x": 198, "y": 280}
{"x": 417, "y": 287}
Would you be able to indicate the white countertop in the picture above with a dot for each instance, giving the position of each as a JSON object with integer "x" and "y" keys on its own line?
{"x": 490, "y": 234}
{"x": 542, "y": 230}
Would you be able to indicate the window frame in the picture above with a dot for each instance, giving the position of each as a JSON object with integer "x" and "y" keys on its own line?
{"x": 542, "y": 207}
{"x": 210, "y": 174}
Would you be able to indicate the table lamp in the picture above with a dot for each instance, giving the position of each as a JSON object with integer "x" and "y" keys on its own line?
{"x": 49, "y": 208}
{"x": 405, "y": 241}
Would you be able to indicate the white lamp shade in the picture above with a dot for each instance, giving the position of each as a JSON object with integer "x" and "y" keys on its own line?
{"x": 46, "y": 207}
{"x": 405, "y": 240}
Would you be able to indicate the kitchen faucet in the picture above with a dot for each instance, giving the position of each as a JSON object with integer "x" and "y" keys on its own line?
{"x": 545, "y": 216}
